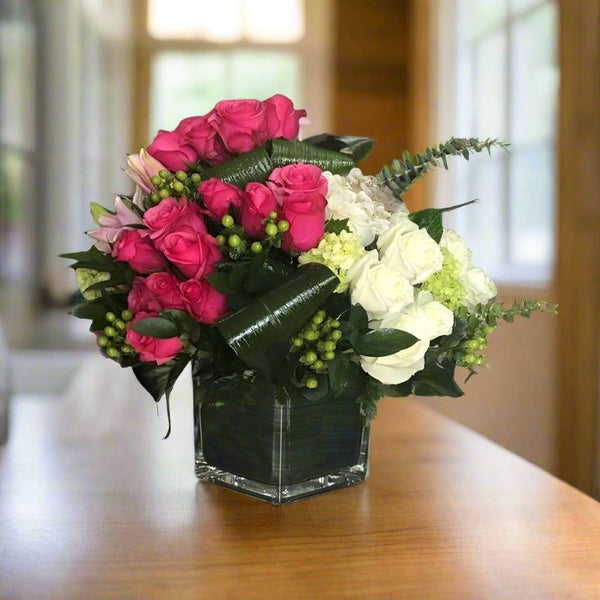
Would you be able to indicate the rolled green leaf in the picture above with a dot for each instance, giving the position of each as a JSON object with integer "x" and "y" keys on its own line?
{"x": 259, "y": 333}
{"x": 241, "y": 170}
{"x": 284, "y": 152}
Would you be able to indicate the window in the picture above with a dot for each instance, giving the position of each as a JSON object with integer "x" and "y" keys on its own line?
{"x": 202, "y": 52}
{"x": 505, "y": 81}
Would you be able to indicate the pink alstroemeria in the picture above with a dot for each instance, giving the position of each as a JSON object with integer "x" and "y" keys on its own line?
{"x": 111, "y": 226}
{"x": 142, "y": 167}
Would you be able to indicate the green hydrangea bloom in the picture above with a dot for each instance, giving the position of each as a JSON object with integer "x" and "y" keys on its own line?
{"x": 446, "y": 285}
{"x": 338, "y": 251}
{"x": 86, "y": 278}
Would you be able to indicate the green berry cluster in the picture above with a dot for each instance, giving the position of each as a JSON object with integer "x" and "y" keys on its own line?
{"x": 318, "y": 340}
{"x": 112, "y": 340}
{"x": 232, "y": 239}
{"x": 274, "y": 227}
{"x": 470, "y": 352}
{"x": 169, "y": 185}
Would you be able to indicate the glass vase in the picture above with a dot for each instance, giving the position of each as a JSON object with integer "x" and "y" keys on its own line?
{"x": 281, "y": 452}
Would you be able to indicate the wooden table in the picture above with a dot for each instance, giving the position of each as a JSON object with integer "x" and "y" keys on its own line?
{"x": 115, "y": 512}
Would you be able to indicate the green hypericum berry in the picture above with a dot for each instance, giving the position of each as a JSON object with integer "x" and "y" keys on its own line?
{"x": 317, "y": 319}
{"x": 120, "y": 324}
{"x": 154, "y": 197}
{"x": 126, "y": 315}
{"x": 126, "y": 349}
{"x": 271, "y": 229}
{"x": 227, "y": 220}
{"x": 221, "y": 239}
{"x": 310, "y": 357}
{"x": 311, "y": 383}
{"x": 334, "y": 324}
{"x": 479, "y": 360}
{"x": 317, "y": 365}
{"x": 256, "y": 247}
{"x": 196, "y": 177}
{"x": 181, "y": 175}
{"x": 329, "y": 346}
{"x": 102, "y": 341}
{"x": 110, "y": 316}
{"x": 470, "y": 359}
{"x": 328, "y": 355}
{"x": 321, "y": 312}
{"x": 483, "y": 345}
{"x": 311, "y": 335}
{"x": 234, "y": 240}
{"x": 112, "y": 352}
{"x": 155, "y": 180}
{"x": 110, "y": 331}
{"x": 164, "y": 193}
{"x": 487, "y": 330}
{"x": 298, "y": 342}
{"x": 472, "y": 344}
{"x": 178, "y": 186}
{"x": 283, "y": 226}
{"x": 272, "y": 215}
{"x": 164, "y": 174}
{"x": 336, "y": 335}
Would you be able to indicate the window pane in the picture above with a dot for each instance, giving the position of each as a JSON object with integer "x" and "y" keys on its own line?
{"x": 268, "y": 21}
{"x": 191, "y": 83}
{"x": 490, "y": 86}
{"x": 478, "y": 16}
{"x": 217, "y": 21}
{"x": 517, "y": 6}
{"x": 532, "y": 206}
{"x": 535, "y": 76}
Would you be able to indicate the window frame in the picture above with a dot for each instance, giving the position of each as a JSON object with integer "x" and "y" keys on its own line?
{"x": 314, "y": 51}
{"x": 448, "y": 53}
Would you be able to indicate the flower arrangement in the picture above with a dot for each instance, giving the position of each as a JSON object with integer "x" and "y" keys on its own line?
{"x": 277, "y": 267}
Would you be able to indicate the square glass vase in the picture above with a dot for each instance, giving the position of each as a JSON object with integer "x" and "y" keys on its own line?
{"x": 281, "y": 452}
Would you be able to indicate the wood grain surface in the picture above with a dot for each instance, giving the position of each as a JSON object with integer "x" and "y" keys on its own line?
{"x": 444, "y": 514}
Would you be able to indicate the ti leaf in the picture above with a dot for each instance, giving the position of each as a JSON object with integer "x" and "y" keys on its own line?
{"x": 158, "y": 380}
{"x": 430, "y": 219}
{"x": 284, "y": 152}
{"x": 259, "y": 333}
{"x": 244, "y": 168}
{"x": 358, "y": 147}
{"x": 381, "y": 342}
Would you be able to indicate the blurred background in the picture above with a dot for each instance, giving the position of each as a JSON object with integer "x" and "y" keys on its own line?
{"x": 84, "y": 82}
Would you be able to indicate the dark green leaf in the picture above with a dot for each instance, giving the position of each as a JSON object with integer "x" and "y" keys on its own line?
{"x": 259, "y": 331}
{"x": 184, "y": 322}
{"x": 88, "y": 310}
{"x": 220, "y": 281}
{"x": 337, "y": 226}
{"x": 358, "y": 147}
{"x": 430, "y": 219}
{"x": 436, "y": 380}
{"x": 340, "y": 373}
{"x": 156, "y": 327}
{"x": 359, "y": 318}
{"x": 399, "y": 390}
{"x": 284, "y": 152}
{"x": 382, "y": 342}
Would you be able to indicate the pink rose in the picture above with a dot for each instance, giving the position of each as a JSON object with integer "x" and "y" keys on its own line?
{"x": 165, "y": 288}
{"x": 193, "y": 253}
{"x": 136, "y": 250}
{"x": 258, "y": 202}
{"x": 241, "y": 124}
{"x": 218, "y": 196}
{"x": 170, "y": 215}
{"x": 282, "y": 120}
{"x": 141, "y": 299}
{"x": 171, "y": 150}
{"x": 298, "y": 177}
{"x": 152, "y": 349}
{"x": 200, "y": 133}
{"x": 203, "y": 301}
{"x": 306, "y": 215}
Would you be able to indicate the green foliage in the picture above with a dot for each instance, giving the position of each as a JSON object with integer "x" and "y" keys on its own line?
{"x": 337, "y": 226}
{"x": 402, "y": 173}
{"x": 357, "y": 147}
{"x": 368, "y": 398}
{"x": 259, "y": 333}
{"x": 430, "y": 219}
{"x": 284, "y": 152}
{"x": 381, "y": 342}
{"x": 240, "y": 170}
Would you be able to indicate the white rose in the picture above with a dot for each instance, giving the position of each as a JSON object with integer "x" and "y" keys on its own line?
{"x": 377, "y": 288}
{"x": 457, "y": 247}
{"x": 410, "y": 251}
{"x": 426, "y": 319}
{"x": 480, "y": 288}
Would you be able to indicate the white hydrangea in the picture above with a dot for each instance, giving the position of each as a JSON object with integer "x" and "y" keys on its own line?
{"x": 369, "y": 207}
